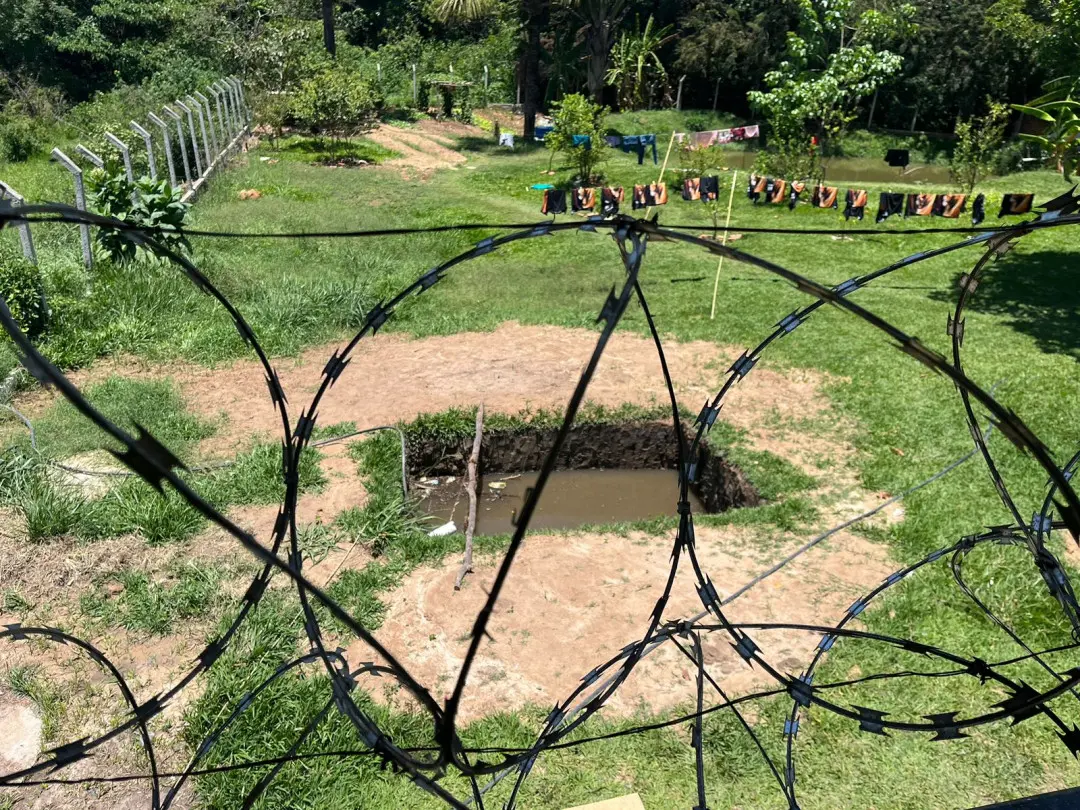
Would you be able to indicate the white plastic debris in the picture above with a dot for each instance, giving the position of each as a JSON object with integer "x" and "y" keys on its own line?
{"x": 442, "y": 531}
{"x": 497, "y": 485}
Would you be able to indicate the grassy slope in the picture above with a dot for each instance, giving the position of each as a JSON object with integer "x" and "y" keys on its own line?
{"x": 1020, "y": 332}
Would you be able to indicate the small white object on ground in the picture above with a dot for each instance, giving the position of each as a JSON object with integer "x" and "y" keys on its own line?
{"x": 442, "y": 531}
{"x": 497, "y": 485}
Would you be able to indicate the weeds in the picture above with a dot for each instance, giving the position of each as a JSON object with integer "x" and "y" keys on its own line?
{"x": 151, "y": 606}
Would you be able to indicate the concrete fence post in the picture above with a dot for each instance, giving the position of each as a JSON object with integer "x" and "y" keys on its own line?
{"x": 80, "y": 202}
{"x": 194, "y": 104}
{"x": 209, "y": 120}
{"x": 194, "y": 137}
{"x": 175, "y": 116}
{"x": 125, "y": 153}
{"x": 241, "y": 113}
{"x": 243, "y": 101}
{"x": 25, "y": 237}
{"x": 91, "y": 156}
{"x": 222, "y": 128}
{"x": 168, "y": 147}
{"x": 230, "y": 127}
{"x": 149, "y": 141}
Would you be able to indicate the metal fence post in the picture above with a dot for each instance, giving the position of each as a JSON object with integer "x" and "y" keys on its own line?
{"x": 175, "y": 116}
{"x": 80, "y": 202}
{"x": 138, "y": 130}
{"x": 209, "y": 120}
{"x": 194, "y": 104}
{"x": 168, "y": 147}
{"x": 194, "y": 138}
{"x": 25, "y": 238}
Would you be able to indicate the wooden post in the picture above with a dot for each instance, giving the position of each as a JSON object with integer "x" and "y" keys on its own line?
{"x": 723, "y": 241}
{"x": 415, "y": 96}
{"x": 470, "y": 485}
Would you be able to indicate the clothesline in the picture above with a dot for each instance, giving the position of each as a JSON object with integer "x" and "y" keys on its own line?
{"x": 716, "y": 137}
{"x": 950, "y": 206}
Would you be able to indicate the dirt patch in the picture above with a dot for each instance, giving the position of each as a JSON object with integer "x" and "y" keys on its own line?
{"x": 428, "y": 147}
{"x": 510, "y": 369}
{"x": 623, "y": 446}
{"x": 588, "y": 595}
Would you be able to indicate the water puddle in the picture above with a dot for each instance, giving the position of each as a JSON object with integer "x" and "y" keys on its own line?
{"x": 571, "y": 498}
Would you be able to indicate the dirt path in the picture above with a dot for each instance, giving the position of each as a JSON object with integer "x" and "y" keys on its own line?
{"x": 428, "y": 146}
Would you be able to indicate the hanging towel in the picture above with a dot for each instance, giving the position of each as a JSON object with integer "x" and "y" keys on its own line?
{"x": 539, "y": 133}
{"x": 554, "y": 202}
{"x": 1016, "y": 204}
{"x": 776, "y": 191}
{"x": 656, "y": 194}
{"x": 609, "y": 201}
{"x": 797, "y": 188}
{"x": 506, "y": 139}
{"x": 951, "y": 206}
{"x": 825, "y": 197}
{"x": 613, "y": 140}
{"x": 854, "y": 203}
{"x": 920, "y": 205}
{"x": 583, "y": 199}
{"x": 889, "y": 205}
{"x": 581, "y": 140}
{"x": 639, "y": 200}
{"x": 710, "y": 188}
{"x": 691, "y": 188}
{"x": 755, "y": 187}
{"x": 978, "y": 210}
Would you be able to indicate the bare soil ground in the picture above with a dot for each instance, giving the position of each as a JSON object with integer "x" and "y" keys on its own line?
{"x": 426, "y": 147}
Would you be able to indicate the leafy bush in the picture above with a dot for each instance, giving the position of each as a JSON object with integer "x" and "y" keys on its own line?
{"x": 19, "y": 139}
{"x": 152, "y": 204}
{"x": 23, "y": 292}
{"x": 336, "y": 103}
{"x": 576, "y": 115}
{"x": 978, "y": 144}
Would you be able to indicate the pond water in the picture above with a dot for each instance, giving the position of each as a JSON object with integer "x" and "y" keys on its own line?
{"x": 571, "y": 498}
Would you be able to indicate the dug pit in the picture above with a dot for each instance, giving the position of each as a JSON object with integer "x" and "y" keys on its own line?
{"x": 605, "y": 473}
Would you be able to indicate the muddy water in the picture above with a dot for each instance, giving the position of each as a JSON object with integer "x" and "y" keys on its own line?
{"x": 571, "y": 498}
{"x": 858, "y": 170}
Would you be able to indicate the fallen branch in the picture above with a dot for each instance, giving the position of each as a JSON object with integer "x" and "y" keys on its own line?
{"x": 471, "y": 485}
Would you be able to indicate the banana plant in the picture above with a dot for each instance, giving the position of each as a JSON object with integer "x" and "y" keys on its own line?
{"x": 1060, "y": 110}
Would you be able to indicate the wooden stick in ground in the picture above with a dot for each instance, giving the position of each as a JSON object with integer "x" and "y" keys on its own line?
{"x": 470, "y": 485}
{"x": 723, "y": 241}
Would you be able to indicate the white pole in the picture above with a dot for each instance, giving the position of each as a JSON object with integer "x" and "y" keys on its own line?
{"x": 723, "y": 241}
{"x": 149, "y": 141}
{"x": 80, "y": 202}
{"x": 168, "y": 147}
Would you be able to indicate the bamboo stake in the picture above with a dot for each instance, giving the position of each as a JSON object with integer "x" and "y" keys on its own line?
{"x": 470, "y": 485}
{"x": 663, "y": 168}
{"x": 723, "y": 241}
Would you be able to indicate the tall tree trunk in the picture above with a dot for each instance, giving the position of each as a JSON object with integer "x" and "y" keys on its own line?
{"x": 328, "y": 27}
{"x": 535, "y": 12}
{"x": 599, "y": 47}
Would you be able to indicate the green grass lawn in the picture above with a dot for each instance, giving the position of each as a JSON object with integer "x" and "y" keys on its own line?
{"x": 1022, "y": 333}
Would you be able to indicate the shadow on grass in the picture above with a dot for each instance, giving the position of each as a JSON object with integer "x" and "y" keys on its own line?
{"x": 324, "y": 149}
{"x": 1037, "y": 292}
{"x": 487, "y": 145}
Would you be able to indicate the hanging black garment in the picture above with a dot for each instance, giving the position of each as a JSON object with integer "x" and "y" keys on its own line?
{"x": 554, "y": 202}
{"x": 978, "y": 210}
{"x": 855, "y": 203}
{"x": 889, "y": 205}
{"x": 609, "y": 201}
{"x": 710, "y": 188}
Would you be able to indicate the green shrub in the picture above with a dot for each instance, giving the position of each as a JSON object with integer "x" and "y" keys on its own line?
{"x": 153, "y": 204}
{"x": 978, "y": 144}
{"x": 19, "y": 139}
{"x": 335, "y": 102}
{"x": 23, "y": 292}
{"x": 576, "y": 115}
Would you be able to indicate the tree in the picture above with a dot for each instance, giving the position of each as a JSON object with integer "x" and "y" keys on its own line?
{"x": 1059, "y": 109}
{"x": 733, "y": 43}
{"x": 977, "y": 143}
{"x": 601, "y": 19}
{"x": 328, "y": 27}
{"x": 576, "y": 116}
{"x": 636, "y": 65}
{"x": 830, "y": 66}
